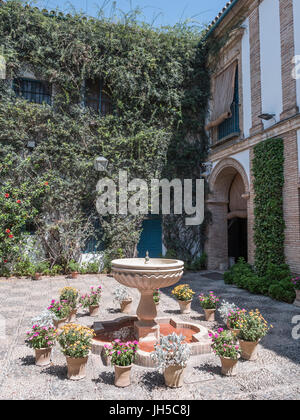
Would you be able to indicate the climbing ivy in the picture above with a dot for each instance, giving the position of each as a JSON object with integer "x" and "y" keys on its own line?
{"x": 159, "y": 86}
{"x": 269, "y": 223}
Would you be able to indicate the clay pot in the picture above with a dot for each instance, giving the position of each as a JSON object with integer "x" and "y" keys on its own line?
{"x": 94, "y": 310}
{"x": 72, "y": 316}
{"x": 126, "y": 306}
{"x": 74, "y": 274}
{"x": 122, "y": 376}
{"x": 234, "y": 331}
{"x": 37, "y": 276}
{"x": 174, "y": 376}
{"x": 249, "y": 349}
{"x": 76, "y": 367}
{"x": 43, "y": 356}
{"x": 229, "y": 366}
{"x": 297, "y": 300}
{"x": 209, "y": 314}
{"x": 185, "y": 306}
{"x": 60, "y": 322}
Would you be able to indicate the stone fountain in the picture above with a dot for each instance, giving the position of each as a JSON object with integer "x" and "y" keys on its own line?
{"x": 147, "y": 275}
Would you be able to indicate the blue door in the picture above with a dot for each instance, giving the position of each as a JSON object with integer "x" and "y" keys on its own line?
{"x": 151, "y": 239}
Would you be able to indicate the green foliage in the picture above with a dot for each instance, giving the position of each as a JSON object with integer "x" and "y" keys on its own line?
{"x": 89, "y": 268}
{"x": 268, "y": 204}
{"x": 158, "y": 83}
{"x": 254, "y": 327}
{"x": 276, "y": 283}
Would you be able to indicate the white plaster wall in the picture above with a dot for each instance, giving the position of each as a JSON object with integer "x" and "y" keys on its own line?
{"x": 244, "y": 159}
{"x": 296, "y": 13}
{"x": 298, "y": 144}
{"x": 246, "y": 80}
{"x": 270, "y": 47}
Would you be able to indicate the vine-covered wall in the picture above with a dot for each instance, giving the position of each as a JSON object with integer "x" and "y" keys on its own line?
{"x": 159, "y": 88}
{"x": 268, "y": 172}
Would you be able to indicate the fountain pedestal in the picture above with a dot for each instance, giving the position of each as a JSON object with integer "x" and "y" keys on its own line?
{"x": 147, "y": 276}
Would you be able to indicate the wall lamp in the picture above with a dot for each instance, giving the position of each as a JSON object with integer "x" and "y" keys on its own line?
{"x": 266, "y": 116}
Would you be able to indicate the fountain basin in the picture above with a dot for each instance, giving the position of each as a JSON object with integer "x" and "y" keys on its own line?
{"x": 196, "y": 336}
{"x": 147, "y": 276}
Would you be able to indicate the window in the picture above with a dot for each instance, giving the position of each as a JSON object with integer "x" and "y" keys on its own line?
{"x": 231, "y": 126}
{"x": 97, "y": 97}
{"x": 33, "y": 90}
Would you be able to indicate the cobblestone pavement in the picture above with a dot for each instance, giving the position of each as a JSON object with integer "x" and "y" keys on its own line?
{"x": 276, "y": 374}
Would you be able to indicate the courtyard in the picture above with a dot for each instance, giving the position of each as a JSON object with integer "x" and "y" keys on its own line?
{"x": 275, "y": 375}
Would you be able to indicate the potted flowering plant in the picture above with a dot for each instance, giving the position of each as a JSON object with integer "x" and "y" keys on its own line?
{"x": 70, "y": 295}
{"x": 61, "y": 311}
{"x": 91, "y": 300}
{"x": 41, "y": 339}
{"x": 76, "y": 342}
{"x": 224, "y": 345}
{"x": 122, "y": 356}
{"x": 156, "y": 296}
{"x": 209, "y": 305}
{"x": 122, "y": 297}
{"x": 236, "y": 319}
{"x": 296, "y": 284}
{"x": 184, "y": 295}
{"x": 253, "y": 329}
{"x": 171, "y": 355}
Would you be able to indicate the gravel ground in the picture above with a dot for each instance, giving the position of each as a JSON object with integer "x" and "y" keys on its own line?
{"x": 276, "y": 374}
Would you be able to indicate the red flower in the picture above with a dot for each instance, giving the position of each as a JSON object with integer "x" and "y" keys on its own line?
{"x": 5, "y": 261}
{"x": 6, "y": 195}
{"x": 11, "y": 236}
{"x": 19, "y": 201}
{"x": 7, "y": 231}
{"x": 46, "y": 183}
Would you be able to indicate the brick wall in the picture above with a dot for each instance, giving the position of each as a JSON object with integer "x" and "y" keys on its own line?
{"x": 287, "y": 53}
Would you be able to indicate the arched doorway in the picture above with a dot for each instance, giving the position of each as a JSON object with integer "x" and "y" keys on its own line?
{"x": 227, "y": 233}
{"x": 237, "y": 221}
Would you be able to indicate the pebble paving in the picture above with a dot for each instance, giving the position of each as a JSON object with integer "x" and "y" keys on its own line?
{"x": 274, "y": 376}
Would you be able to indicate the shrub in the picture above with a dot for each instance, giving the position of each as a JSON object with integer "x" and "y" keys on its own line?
{"x": 236, "y": 318}
{"x": 276, "y": 282}
{"x": 156, "y": 296}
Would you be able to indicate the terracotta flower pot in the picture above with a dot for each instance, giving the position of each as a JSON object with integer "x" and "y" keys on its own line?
{"x": 43, "y": 356}
{"x": 94, "y": 310}
{"x": 249, "y": 349}
{"x": 76, "y": 367}
{"x": 74, "y": 274}
{"x": 60, "y": 322}
{"x": 297, "y": 300}
{"x": 185, "y": 306}
{"x": 72, "y": 316}
{"x": 233, "y": 330}
{"x": 229, "y": 366}
{"x": 36, "y": 276}
{"x": 209, "y": 314}
{"x": 122, "y": 376}
{"x": 174, "y": 376}
{"x": 126, "y": 306}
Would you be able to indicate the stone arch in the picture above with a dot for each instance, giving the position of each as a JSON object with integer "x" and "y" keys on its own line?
{"x": 226, "y": 174}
